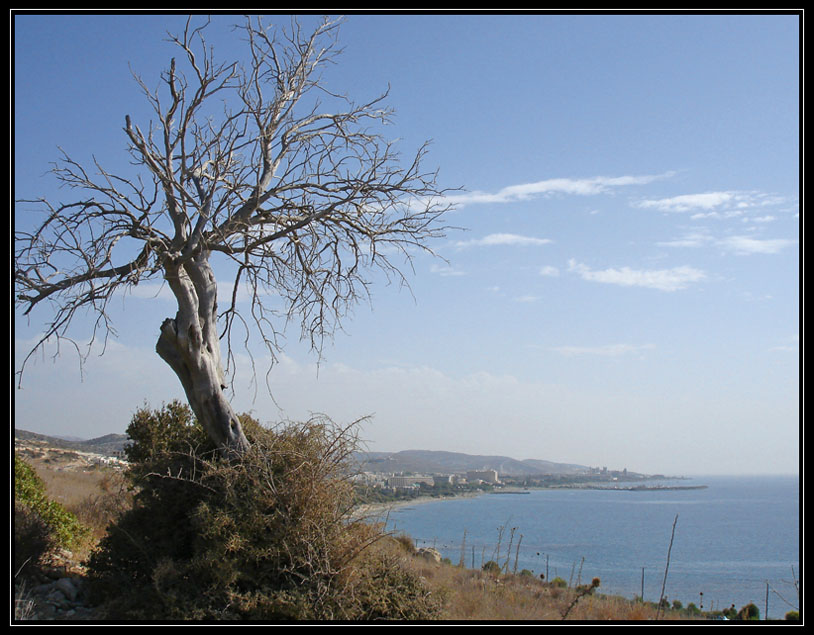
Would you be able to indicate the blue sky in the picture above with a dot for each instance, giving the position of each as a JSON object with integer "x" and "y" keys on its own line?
{"x": 624, "y": 291}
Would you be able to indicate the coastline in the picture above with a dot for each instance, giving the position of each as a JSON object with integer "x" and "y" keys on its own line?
{"x": 565, "y": 530}
{"x": 378, "y": 512}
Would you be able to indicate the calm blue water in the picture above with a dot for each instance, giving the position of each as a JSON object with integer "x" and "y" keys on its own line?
{"x": 730, "y": 539}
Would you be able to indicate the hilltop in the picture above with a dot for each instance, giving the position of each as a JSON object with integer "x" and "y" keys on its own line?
{"x": 415, "y": 461}
{"x": 433, "y": 461}
{"x": 107, "y": 444}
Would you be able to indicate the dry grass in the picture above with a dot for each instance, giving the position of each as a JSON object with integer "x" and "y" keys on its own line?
{"x": 471, "y": 595}
{"x": 97, "y": 495}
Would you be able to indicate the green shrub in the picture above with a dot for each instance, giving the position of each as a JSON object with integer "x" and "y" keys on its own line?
{"x": 749, "y": 612}
{"x": 491, "y": 567}
{"x": 29, "y": 492}
{"x": 793, "y": 616}
{"x": 156, "y": 434}
{"x": 386, "y": 591}
{"x": 263, "y": 537}
{"x": 559, "y": 582}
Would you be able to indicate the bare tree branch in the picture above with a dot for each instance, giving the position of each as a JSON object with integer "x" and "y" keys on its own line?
{"x": 258, "y": 162}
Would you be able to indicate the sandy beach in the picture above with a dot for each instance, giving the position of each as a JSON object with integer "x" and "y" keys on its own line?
{"x": 378, "y": 512}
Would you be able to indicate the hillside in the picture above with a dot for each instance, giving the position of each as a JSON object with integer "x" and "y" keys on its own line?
{"x": 438, "y": 462}
{"x": 416, "y": 461}
{"x": 106, "y": 444}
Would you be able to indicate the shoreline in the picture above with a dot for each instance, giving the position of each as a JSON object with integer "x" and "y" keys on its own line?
{"x": 378, "y": 512}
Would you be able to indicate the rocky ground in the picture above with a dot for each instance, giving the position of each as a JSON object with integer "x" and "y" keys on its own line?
{"x": 55, "y": 594}
{"x": 56, "y": 591}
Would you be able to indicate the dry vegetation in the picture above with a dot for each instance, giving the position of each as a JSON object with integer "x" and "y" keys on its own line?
{"x": 473, "y": 595}
{"x": 97, "y": 494}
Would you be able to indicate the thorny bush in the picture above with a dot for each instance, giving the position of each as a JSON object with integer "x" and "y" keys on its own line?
{"x": 267, "y": 536}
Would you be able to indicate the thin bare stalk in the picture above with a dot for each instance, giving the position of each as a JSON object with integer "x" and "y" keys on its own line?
{"x": 667, "y": 566}
{"x": 517, "y": 553}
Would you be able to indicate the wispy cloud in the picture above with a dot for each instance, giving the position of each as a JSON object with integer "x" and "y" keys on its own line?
{"x": 688, "y": 202}
{"x": 662, "y": 279}
{"x": 549, "y": 272}
{"x": 445, "y": 271}
{"x": 493, "y": 240}
{"x": 746, "y": 245}
{"x": 608, "y": 350}
{"x": 720, "y": 204}
{"x": 739, "y": 245}
{"x": 693, "y": 239}
{"x": 580, "y": 187}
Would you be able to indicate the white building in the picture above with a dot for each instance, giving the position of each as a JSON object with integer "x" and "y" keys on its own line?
{"x": 409, "y": 481}
{"x": 487, "y": 476}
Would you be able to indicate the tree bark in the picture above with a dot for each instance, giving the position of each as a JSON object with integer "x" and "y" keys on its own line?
{"x": 190, "y": 346}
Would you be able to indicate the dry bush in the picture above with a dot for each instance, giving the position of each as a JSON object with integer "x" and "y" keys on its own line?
{"x": 266, "y": 536}
{"x": 99, "y": 508}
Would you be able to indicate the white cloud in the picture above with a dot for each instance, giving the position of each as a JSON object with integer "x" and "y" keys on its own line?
{"x": 695, "y": 239}
{"x": 549, "y": 271}
{"x": 662, "y": 279}
{"x": 686, "y": 202}
{"x": 579, "y": 187}
{"x": 446, "y": 271}
{"x": 746, "y": 245}
{"x": 502, "y": 240}
{"x": 740, "y": 245}
{"x": 717, "y": 215}
{"x": 720, "y": 204}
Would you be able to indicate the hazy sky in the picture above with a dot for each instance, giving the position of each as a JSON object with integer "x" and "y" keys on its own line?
{"x": 625, "y": 292}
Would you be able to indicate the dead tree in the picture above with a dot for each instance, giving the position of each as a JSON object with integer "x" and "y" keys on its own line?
{"x": 256, "y": 162}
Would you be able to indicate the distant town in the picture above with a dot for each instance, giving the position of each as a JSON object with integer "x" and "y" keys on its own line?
{"x": 384, "y": 476}
{"x": 374, "y": 487}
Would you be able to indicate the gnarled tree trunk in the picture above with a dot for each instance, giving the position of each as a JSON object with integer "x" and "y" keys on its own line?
{"x": 189, "y": 344}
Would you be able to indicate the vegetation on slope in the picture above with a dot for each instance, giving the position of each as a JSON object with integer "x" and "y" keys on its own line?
{"x": 262, "y": 537}
{"x": 270, "y": 538}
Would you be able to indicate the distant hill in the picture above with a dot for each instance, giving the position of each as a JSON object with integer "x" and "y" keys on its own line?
{"x": 417, "y": 461}
{"x": 437, "y": 462}
{"x": 106, "y": 444}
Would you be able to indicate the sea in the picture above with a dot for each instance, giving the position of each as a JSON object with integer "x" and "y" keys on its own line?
{"x": 735, "y": 541}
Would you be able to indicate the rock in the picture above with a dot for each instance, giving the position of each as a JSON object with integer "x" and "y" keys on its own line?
{"x": 59, "y": 600}
{"x": 69, "y": 588}
{"x": 429, "y": 554}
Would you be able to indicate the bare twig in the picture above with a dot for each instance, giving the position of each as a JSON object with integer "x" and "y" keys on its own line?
{"x": 667, "y": 566}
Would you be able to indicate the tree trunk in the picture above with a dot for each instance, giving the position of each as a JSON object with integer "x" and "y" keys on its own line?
{"x": 189, "y": 344}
